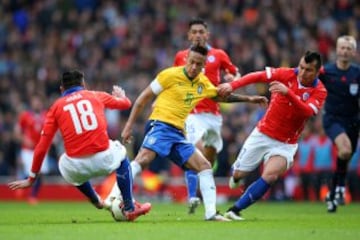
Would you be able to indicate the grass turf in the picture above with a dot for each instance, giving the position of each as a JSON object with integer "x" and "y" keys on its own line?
{"x": 264, "y": 220}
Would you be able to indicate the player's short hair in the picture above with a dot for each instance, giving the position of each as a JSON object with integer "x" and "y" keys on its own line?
{"x": 347, "y": 38}
{"x": 72, "y": 78}
{"x": 198, "y": 21}
{"x": 310, "y": 57}
{"x": 199, "y": 49}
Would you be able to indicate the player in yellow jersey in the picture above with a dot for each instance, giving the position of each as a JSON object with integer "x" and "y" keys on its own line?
{"x": 178, "y": 90}
{"x": 182, "y": 94}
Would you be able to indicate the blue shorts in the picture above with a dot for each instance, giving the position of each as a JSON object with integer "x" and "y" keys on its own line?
{"x": 159, "y": 164}
{"x": 334, "y": 126}
{"x": 168, "y": 142}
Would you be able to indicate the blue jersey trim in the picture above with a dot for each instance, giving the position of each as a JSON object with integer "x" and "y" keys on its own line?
{"x": 71, "y": 90}
{"x": 316, "y": 80}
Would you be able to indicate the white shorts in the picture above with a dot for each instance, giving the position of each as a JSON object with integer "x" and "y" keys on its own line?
{"x": 259, "y": 147}
{"x": 26, "y": 157}
{"x": 205, "y": 127}
{"x": 76, "y": 171}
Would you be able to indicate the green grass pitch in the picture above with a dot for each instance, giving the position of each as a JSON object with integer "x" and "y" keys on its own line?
{"x": 264, "y": 220}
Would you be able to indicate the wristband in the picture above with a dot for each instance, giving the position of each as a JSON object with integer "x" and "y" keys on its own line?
{"x": 32, "y": 176}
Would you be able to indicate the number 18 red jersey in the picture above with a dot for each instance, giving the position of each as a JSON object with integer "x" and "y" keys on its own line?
{"x": 81, "y": 120}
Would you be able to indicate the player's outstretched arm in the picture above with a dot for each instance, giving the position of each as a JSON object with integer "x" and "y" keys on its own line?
{"x": 144, "y": 98}
{"x": 263, "y": 101}
{"x": 253, "y": 77}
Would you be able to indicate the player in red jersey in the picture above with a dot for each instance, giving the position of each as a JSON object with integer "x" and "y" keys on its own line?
{"x": 79, "y": 115}
{"x": 27, "y": 130}
{"x": 296, "y": 95}
{"x": 203, "y": 125}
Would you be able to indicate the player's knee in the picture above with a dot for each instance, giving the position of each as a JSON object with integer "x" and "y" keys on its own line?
{"x": 270, "y": 178}
{"x": 142, "y": 163}
{"x": 144, "y": 160}
{"x": 204, "y": 164}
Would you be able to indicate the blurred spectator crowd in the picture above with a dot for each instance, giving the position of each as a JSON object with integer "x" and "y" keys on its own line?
{"x": 126, "y": 42}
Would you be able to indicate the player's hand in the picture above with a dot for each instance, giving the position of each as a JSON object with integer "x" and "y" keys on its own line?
{"x": 126, "y": 135}
{"x": 278, "y": 87}
{"x": 20, "y": 184}
{"x": 228, "y": 77}
{"x": 261, "y": 100}
{"x": 224, "y": 89}
{"x": 118, "y": 92}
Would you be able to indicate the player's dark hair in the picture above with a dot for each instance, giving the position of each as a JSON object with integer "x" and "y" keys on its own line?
{"x": 197, "y": 21}
{"x": 71, "y": 79}
{"x": 199, "y": 49}
{"x": 310, "y": 57}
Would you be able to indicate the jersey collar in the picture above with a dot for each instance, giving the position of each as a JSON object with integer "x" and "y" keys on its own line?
{"x": 71, "y": 90}
{"x": 186, "y": 74}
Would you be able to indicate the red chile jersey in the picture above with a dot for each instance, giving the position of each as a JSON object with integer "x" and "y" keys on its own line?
{"x": 286, "y": 115}
{"x": 217, "y": 61}
{"x": 343, "y": 88}
{"x": 81, "y": 119}
{"x": 31, "y": 124}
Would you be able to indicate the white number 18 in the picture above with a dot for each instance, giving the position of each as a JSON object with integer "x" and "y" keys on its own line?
{"x": 82, "y": 115}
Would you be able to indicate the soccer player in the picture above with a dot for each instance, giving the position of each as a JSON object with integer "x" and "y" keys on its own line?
{"x": 79, "y": 114}
{"x": 203, "y": 125}
{"x": 178, "y": 90}
{"x": 296, "y": 95}
{"x": 341, "y": 116}
{"x": 27, "y": 131}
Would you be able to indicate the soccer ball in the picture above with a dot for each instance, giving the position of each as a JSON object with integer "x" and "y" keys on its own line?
{"x": 116, "y": 210}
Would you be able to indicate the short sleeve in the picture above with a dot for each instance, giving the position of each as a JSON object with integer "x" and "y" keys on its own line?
{"x": 156, "y": 87}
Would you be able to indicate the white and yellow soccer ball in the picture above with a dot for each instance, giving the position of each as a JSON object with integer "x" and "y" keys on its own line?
{"x": 116, "y": 210}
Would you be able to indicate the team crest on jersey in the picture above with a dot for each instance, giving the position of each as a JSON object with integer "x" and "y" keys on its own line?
{"x": 305, "y": 96}
{"x": 354, "y": 88}
{"x": 200, "y": 88}
{"x": 211, "y": 58}
{"x": 151, "y": 140}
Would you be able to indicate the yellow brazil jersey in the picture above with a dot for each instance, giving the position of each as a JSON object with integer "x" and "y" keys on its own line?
{"x": 178, "y": 95}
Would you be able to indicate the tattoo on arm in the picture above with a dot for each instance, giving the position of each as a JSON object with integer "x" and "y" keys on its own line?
{"x": 233, "y": 98}
{"x": 236, "y": 98}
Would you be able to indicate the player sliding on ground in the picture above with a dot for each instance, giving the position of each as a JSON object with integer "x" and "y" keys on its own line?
{"x": 79, "y": 114}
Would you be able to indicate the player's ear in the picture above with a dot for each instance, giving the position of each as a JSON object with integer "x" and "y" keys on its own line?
{"x": 61, "y": 89}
